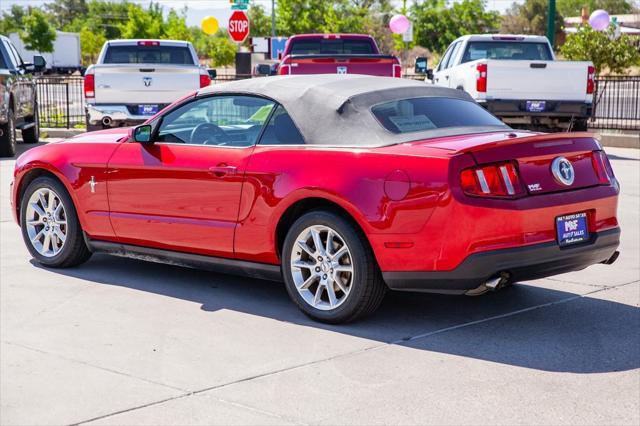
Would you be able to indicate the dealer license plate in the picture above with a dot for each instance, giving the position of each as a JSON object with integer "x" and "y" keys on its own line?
{"x": 147, "y": 109}
{"x": 572, "y": 229}
{"x": 536, "y": 106}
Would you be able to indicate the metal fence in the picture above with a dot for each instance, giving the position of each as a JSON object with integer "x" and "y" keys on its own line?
{"x": 61, "y": 101}
{"x": 616, "y": 101}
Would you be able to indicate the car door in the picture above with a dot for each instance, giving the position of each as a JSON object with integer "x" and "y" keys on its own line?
{"x": 442, "y": 74}
{"x": 23, "y": 94}
{"x": 182, "y": 192}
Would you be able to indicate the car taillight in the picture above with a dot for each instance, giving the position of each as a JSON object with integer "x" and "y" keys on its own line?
{"x": 591, "y": 80}
{"x": 602, "y": 166}
{"x": 89, "y": 86}
{"x": 205, "y": 80}
{"x": 481, "y": 79}
{"x": 397, "y": 70}
{"x": 493, "y": 180}
{"x": 284, "y": 69}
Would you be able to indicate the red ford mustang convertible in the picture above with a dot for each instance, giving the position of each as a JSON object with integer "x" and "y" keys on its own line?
{"x": 343, "y": 186}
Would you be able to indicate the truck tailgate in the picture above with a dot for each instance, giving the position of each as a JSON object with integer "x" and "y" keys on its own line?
{"x": 144, "y": 83}
{"x": 537, "y": 80}
{"x": 378, "y": 65}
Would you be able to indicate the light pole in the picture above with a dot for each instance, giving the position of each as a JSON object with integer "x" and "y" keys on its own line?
{"x": 273, "y": 18}
{"x": 551, "y": 22}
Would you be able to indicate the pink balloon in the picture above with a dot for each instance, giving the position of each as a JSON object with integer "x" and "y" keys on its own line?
{"x": 399, "y": 24}
{"x": 599, "y": 20}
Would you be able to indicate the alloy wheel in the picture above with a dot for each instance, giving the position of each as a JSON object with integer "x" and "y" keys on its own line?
{"x": 46, "y": 222}
{"x": 322, "y": 267}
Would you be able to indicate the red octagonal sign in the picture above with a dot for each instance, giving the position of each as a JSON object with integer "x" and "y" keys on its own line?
{"x": 238, "y": 26}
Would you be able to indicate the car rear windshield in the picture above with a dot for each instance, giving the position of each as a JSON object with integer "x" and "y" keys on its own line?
{"x": 420, "y": 114}
{"x": 510, "y": 50}
{"x": 174, "y": 55}
{"x": 322, "y": 46}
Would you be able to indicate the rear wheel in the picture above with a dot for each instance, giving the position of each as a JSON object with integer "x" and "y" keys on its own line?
{"x": 50, "y": 226}
{"x": 329, "y": 269}
{"x": 8, "y": 137}
{"x": 32, "y": 134}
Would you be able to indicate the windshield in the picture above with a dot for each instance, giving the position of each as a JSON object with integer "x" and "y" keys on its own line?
{"x": 510, "y": 50}
{"x": 322, "y": 46}
{"x": 174, "y": 55}
{"x": 420, "y": 114}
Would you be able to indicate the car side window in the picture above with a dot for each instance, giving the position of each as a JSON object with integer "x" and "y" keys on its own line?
{"x": 16, "y": 55}
{"x": 234, "y": 120}
{"x": 281, "y": 130}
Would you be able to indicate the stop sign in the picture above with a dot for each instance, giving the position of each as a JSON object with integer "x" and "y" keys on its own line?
{"x": 238, "y": 26}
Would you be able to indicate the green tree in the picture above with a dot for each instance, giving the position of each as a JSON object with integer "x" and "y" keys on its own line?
{"x": 37, "y": 34}
{"x": 601, "y": 48}
{"x": 260, "y": 21}
{"x": 11, "y": 20}
{"x": 574, "y": 7}
{"x": 221, "y": 50}
{"x": 91, "y": 42}
{"x": 142, "y": 23}
{"x": 176, "y": 26}
{"x": 65, "y": 11}
{"x": 530, "y": 17}
{"x": 436, "y": 26}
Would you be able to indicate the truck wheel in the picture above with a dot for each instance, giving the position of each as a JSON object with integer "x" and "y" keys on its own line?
{"x": 329, "y": 269}
{"x": 32, "y": 134}
{"x": 8, "y": 137}
{"x": 580, "y": 126}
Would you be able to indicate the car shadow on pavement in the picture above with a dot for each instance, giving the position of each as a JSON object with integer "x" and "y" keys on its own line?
{"x": 585, "y": 335}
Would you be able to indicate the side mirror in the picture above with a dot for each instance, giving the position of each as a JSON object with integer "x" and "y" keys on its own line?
{"x": 142, "y": 133}
{"x": 421, "y": 65}
{"x": 39, "y": 63}
{"x": 212, "y": 73}
{"x": 263, "y": 69}
{"x": 429, "y": 74}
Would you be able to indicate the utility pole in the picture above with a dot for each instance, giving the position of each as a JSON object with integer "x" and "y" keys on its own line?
{"x": 273, "y": 18}
{"x": 551, "y": 22}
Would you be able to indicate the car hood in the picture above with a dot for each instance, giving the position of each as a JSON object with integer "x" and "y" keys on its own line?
{"x": 103, "y": 136}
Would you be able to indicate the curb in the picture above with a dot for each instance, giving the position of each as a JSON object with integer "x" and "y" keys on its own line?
{"x": 620, "y": 140}
{"x": 61, "y": 133}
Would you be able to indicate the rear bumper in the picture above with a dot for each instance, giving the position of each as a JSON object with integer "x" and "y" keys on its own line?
{"x": 558, "y": 109}
{"x": 522, "y": 263}
{"x": 113, "y": 115}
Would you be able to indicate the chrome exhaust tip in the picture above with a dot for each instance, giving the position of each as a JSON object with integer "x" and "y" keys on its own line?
{"x": 612, "y": 259}
{"x": 492, "y": 284}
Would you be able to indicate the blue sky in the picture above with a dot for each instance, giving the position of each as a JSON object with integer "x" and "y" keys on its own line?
{"x": 197, "y": 9}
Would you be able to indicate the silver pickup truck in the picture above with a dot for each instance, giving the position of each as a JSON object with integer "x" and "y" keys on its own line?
{"x": 134, "y": 79}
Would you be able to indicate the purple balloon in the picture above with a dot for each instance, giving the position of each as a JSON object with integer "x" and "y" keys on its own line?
{"x": 399, "y": 24}
{"x": 599, "y": 20}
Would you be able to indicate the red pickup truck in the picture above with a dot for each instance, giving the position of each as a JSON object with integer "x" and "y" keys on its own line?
{"x": 333, "y": 53}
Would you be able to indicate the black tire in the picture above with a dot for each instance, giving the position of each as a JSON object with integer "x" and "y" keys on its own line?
{"x": 8, "y": 138}
{"x": 32, "y": 134}
{"x": 580, "y": 126}
{"x": 74, "y": 250}
{"x": 367, "y": 289}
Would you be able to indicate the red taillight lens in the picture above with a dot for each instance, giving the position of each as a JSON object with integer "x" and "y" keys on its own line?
{"x": 591, "y": 79}
{"x": 481, "y": 79}
{"x": 89, "y": 86}
{"x": 397, "y": 70}
{"x": 284, "y": 69}
{"x": 493, "y": 180}
{"x": 205, "y": 80}
{"x": 602, "y": 166}
{"x": 148, "y": 43}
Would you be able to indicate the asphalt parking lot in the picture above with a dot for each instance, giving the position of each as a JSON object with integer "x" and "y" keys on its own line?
{"x": 118, "y": 341}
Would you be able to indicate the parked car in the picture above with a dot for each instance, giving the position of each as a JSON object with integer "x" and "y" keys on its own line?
{"x": 333, "y": 54}
{"x": 134, "y": 79}
{"x": 18, "y": 98}
{"x": 65, "y": 58}
{"x": 517, "y": 78}
{"x": 390, "y": 183}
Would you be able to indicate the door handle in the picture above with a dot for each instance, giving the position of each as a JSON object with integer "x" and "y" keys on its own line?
{"x": 223, "y": 169}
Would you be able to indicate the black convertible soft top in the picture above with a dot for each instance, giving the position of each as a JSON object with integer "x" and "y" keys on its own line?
{"x": 335, "y": 110}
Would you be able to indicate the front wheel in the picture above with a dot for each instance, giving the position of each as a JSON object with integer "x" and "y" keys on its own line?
{"x": 329, "y": 269}
{"x": 50, "y": 226}
{"x": 32, "y": 134}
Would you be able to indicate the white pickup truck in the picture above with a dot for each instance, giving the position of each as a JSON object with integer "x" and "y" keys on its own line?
{"x": 517, "y": 78}
{"x": 134, "y": 79}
